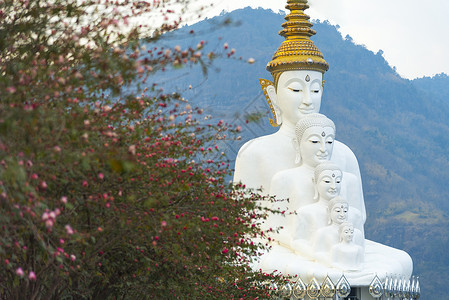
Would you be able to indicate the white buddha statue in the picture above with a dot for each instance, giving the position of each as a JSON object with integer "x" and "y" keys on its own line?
{"x": 347, "y": 255}
{"x": 295, "y": 93}
{"x": 338, "y": 212}
{"x": 314, "y": 144}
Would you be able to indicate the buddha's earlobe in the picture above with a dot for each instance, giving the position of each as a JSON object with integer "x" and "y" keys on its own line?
{"x": 270, "y": 94}
{"x": 316, "y": 196}
{"x": 295, "y": 143}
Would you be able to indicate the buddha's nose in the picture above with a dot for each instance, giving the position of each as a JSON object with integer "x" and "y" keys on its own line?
{"x": 306, "y": 99}
{"x": 323, "y": 148}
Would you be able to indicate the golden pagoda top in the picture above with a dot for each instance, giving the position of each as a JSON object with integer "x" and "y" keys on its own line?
{"x": 297, "y": 52}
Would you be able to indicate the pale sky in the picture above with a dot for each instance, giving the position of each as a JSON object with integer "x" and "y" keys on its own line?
{"x": 414, "y": 34}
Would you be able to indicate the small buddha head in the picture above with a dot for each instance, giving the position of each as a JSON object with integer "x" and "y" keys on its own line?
{"x": 314, "y": 139}
{"x": 338, "y": 210}
{"x": 327, "y": 179}
{"x": 346, "y": 232}
{"x": 297, "y": 68}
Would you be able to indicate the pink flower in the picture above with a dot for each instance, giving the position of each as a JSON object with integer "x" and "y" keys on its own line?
{"x": 32, "y": 276}
{"x": 49, "y": 223}
{"x": 69, "y": 229}
{"x": 163, "y": 223}
{"x": 64, "y": 199}
{"x": 34, "y": 176}
{"x": 44, "y": 216}
{"x": 11, "y": 89}
{"x": 43, "y": 185}
{"x": 19, "y": 272}
{"x": 57, "y": 149}
{"x": 72, "y": 257}
{"x": 85, "y": 184}
{"x": 100, "y": 175}
{"x": 225, "y": 250}
{"x": 132, "y": 149}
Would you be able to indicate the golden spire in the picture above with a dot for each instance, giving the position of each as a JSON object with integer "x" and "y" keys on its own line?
{"x": 297, "y": 52}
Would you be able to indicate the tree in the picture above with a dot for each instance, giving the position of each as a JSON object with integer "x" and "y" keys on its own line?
{"x": 110, "y": 187}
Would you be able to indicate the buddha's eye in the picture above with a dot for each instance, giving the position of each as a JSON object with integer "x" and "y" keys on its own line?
{"x": 315, "y": 91}
{"x": 327, "y": 181}
{"x": 338, "y": 181}
{"x": 330, "y": 142}
{"x": 295, "y": 90}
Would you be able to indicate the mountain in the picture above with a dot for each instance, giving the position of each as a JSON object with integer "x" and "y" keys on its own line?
{"x": 398, "y": 128}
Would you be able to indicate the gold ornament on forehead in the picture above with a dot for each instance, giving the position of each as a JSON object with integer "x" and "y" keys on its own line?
{"x": 297, "y": 52}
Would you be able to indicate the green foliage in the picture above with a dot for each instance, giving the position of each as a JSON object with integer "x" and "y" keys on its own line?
{"x": 108, "y": 191}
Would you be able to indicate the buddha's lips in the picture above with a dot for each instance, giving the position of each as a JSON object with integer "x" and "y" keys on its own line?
{"x": 306, "y": 110}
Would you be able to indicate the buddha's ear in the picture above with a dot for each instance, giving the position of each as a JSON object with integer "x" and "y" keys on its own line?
{"x": 295, "y": 144}
{"x": 270, "y": 94}
{"x": 316, "y": 196}
{"x": 271, "y": 91}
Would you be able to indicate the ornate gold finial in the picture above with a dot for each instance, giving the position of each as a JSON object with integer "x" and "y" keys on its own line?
{"x": 297, "y": 52}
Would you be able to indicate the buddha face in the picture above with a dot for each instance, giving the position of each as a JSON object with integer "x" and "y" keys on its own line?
{"x": 339, "y": 212}
{"x": 298, "y": 93}
{"x": 347, "y": 233}
{"x": 329, "y": 184}
{"x": 316, "y": 145}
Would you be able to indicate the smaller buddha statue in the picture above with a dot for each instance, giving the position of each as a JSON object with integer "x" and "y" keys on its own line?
{"x": 328, "y": 236}
{"x": 314, "y": 143}
{"x": 346, "y": 255}
{"x": 315, "y": 134}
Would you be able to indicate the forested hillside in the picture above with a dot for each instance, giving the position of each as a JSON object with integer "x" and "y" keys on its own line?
{"x": 398, "y": 128}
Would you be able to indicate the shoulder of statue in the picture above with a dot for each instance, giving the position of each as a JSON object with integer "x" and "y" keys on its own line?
{"x": 287, "y": 176}
{"x": 258, "y": 145}
{"x": 350, "y": 178}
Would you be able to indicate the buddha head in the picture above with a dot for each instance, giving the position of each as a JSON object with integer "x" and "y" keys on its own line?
{"x": 314, "y": 139}
{"x": 338, "y": 210}
{"x": 297, "y": 68}
{"x": 327, "y": 179}
{"x": 346, "y": 232}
